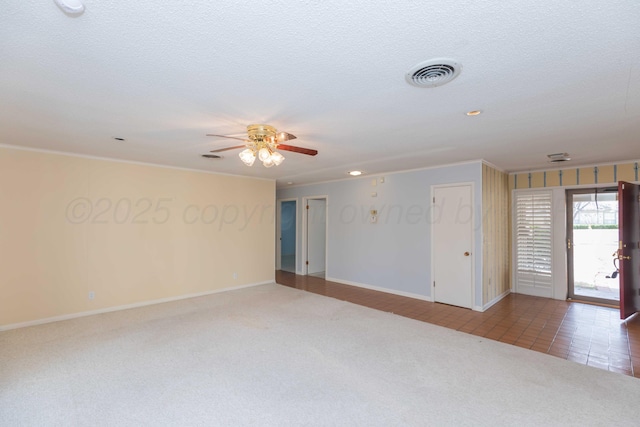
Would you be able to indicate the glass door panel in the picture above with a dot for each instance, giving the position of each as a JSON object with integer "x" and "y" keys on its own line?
{"x": 592, "y": 242}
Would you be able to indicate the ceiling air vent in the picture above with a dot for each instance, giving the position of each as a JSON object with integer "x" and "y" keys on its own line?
{"x": 558, "y": 157}
{"x": 435, "y": 72}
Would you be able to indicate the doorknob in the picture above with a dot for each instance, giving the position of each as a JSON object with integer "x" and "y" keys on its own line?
{"x": 467, "y": 254}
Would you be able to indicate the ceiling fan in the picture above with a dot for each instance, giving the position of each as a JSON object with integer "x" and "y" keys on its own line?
{"x": 262, "y": 142}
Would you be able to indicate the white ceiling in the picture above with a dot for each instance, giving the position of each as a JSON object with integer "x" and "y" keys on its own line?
{"x": 548, "y": 76}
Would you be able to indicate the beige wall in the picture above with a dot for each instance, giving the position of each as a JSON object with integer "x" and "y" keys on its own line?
{"x": 129, "y": 233}
{"x": 495, "y": 232}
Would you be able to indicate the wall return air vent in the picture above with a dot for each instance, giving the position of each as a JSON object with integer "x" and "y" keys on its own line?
{"x": 434, "y": 72}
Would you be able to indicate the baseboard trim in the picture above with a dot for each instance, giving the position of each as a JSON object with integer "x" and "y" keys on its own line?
{"x": 124, "y": 307}
{"x": 380, "y": 289}
{"x": 496, "y": 300}
{"x": 535, "y": 292}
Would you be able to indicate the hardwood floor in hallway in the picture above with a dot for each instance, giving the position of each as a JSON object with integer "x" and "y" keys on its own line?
{"x": 583, "y": 333}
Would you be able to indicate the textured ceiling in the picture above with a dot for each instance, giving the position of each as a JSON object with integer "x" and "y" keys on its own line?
{"x": 548, "y": 76}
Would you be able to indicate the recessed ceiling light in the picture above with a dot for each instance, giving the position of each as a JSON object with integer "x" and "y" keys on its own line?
{"x": 211, "y": 156}
{"x": 290, "y": 183}
{"x": 117, "y": 138}
{"x": 355, "y": 173}
{"x": 474, "y": 113}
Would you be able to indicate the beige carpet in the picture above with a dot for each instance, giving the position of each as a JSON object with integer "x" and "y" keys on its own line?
{"x": 272, "y": 355}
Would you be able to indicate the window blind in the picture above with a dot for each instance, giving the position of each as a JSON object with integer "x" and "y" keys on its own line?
{"x": 533, "y": 239}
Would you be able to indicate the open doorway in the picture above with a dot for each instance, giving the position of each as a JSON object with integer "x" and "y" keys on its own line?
{"x": 315, "y": 246}
{"x": 592, "y": 242}
{"x": 287, "y": 236}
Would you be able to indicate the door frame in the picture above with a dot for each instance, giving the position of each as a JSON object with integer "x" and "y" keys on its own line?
{"x": 472, "y": 291}
{"x": 305, "y": 237}
{"x": 569, "y": 238}
{"x": 279, "y": 231}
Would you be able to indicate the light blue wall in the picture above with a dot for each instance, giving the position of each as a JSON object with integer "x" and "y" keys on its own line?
{"x": 394, "y": 253}
{"x": 288, "y": 227}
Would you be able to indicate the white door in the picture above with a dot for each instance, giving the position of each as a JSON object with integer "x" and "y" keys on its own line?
{"x": 316, "y": 235}
{"x": 452, "y": 225}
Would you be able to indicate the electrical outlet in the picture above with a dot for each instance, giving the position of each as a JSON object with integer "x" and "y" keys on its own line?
{"x": 92, "y": 295}
{"x": 235, "y": 276}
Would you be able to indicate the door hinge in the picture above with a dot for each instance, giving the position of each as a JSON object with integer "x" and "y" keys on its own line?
{"x": 568, "y": 243}
{"x": 307, "y": 262}
{"x": 434, "y": 200}
{"x": 434, "y": 283}
{"x": 307, "y": 206}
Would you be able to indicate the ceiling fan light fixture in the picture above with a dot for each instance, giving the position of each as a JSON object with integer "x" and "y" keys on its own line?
{"x": 268, "y": 163}
{"x": 262, "y": 142}
{"x": 247, "y": 156}
{"x": 264, "y": 154}
{"x": 277, "y": 158}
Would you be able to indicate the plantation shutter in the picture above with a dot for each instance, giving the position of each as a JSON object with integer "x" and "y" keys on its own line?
{"x": 533, "y": 242}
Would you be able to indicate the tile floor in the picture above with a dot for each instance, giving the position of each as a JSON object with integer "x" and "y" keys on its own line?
{"x": 583, "y": 333}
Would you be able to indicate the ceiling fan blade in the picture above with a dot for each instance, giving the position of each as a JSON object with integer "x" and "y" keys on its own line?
{"x": 230, "y": 137}
{"x": 228, "y": 148}
{"x": 295, "y": 149}
{"x": 285, "y": 136}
